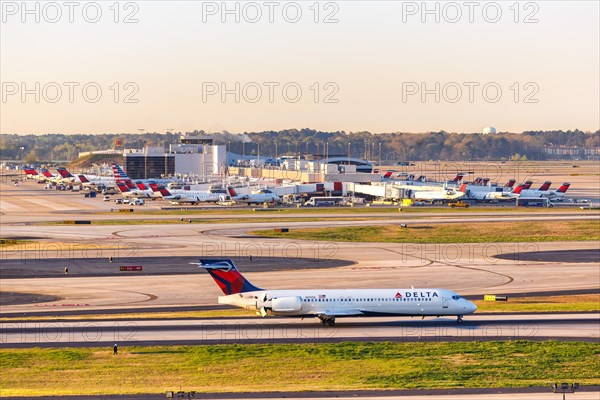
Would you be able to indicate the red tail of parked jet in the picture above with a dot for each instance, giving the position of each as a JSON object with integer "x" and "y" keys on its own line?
{"x": 30, "y": 171}
{"x": 545, "y": 186}
{"x": 527, "y": 184}
{"x": 510, "y": 183}
{"x": 519, "y": 189}
{"x": 458, "y": 177}
{"x": 563, "y": 187}
{"x": 46, "y": 173}
{"x": 64, "y": 173}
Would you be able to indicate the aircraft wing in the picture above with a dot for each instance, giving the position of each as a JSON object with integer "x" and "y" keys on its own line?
{"x": 338, "y": 313}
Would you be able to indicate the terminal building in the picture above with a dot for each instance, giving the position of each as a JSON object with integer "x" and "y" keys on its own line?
{"x": 197, "y": 157}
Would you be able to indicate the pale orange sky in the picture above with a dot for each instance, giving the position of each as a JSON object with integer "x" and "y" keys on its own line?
{"x": 373, "y": 63}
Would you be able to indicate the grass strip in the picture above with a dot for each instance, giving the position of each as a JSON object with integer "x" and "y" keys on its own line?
{"x": 296, "y": 367}
{"x": 470, "y": 232}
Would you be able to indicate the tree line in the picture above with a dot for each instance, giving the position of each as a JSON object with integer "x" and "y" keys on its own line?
{"x": 388, "y": 147}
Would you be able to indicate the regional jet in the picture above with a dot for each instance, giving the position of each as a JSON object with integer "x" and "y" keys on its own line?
{"x": 327, "y": 304}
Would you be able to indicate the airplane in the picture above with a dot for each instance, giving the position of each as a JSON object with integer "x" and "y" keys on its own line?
{"x": 258, "y": 196}
{"x": 327, "y": 304}
{"x": 442, "y": 194}
{"x": 188, "y": 196}
{"x": 87, "y": 180}
{"x": 65, "y": 175}
{"x": 478, "y": 192}
{"x": 553, "y": 195}
{"x": 139, "y": 190}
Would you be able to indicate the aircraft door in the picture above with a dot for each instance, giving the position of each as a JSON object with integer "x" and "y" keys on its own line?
{"x": 445, "y": 302}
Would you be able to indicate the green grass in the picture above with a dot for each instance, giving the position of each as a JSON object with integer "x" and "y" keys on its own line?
{"x": 574, "y": 303}
{"x": 472, "y": 232}
{"x": 296, "y": 367}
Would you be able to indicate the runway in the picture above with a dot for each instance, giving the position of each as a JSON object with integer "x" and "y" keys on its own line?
{"x": 210, "y": 331}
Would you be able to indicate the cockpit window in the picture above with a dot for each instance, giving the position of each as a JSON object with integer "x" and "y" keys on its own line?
{"x": 455, "y": 297}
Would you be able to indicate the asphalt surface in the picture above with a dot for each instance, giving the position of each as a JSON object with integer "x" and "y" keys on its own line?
{"x": 209, "y": 331}
{"x": 530, "y": 393}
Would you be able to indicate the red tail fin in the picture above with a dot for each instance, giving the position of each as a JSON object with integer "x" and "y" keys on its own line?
{"x": 232, "y": 192}
{"x": 154, "y": 187}
{"x": 388, "y": 174}
{"x": 141, "y": 186}
{"x": 164, "y": 191}
{"x": 545, "y": 186}
{"x": 563, "y": 188}
{"x": 510, "y": 183}
{"x": 30, "y": 171}
{"x": 83, "y": 179}
{"x": 527, "y": 184}
{"x": 46, "y": 173}
{"x": 458, "y": 177}
{"x": 519, "y": 189}
{"x": 122, "y": 187}
{"x": 463, "y": 188}
{"x": 64, "y": 173}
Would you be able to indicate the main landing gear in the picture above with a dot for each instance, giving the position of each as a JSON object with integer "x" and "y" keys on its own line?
{"x": 459, "y": 319}
{"x": 325, "y": 320}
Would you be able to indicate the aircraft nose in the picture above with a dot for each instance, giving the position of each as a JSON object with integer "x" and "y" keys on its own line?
{"x": 471, "y": 307}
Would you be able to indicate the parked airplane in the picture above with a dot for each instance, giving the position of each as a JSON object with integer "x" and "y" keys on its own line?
{"x": 327, "y": 304}
{"x": 478, "y": 192}
{"x": 189, "y": 196}
{"x": 442, "y": 194}
{"x": 139, "y": 190}
{"x": 257, "y": 196}
{"x": 88, "y": 180}
{"x": 553, "y": 195}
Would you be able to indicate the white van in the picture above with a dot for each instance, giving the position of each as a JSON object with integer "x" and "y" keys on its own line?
{"x": 138, "y": 202}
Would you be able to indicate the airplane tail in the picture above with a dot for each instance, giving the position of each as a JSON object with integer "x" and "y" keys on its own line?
{"x": 46, "y": 173}
{"x": 141, "y": 186}
{"x": 527, "y": 184}
{"x": 388, "y": 175}
{"x": 545, "y": 186}
{"x": 64, "y": 173}
{"x": 518, "y": 189}
{"x": 463, "y": 188}
{"x": 164, "y": 191}
{"x": 231, "y": 191}
{"x": 119, "y": 173}
{"x": 30, "y": 171}
{"x": 83, "y": 179}
{"x": 122, "y": 187}
{"x": 485, "y": 181}
{"x": 458, "y": 177}
{"x": 226, "y": 275}
{"x": 510, "y": 183}
{"x": 563, "y": 188}
{"x": 154, "y": 187}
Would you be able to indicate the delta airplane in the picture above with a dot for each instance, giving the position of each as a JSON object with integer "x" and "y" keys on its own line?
{"x": 553, "y": 195}
{"x": 445, "y": 194}
{"x": 327, "y": 304}
{"x": 258, "y": 196}
{"x": 189, "y": 196}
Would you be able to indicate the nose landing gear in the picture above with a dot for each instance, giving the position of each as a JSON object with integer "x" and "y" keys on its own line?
{"x": 459, "y": 319}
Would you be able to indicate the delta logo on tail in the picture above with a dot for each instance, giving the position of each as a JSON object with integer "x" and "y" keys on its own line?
{"x": 227, "y": 277}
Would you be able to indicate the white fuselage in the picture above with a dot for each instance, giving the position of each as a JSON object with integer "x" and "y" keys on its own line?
{"x": 550, "y": 194}
{"x": 192, "y": 196}
{"x": 353, "y": 302}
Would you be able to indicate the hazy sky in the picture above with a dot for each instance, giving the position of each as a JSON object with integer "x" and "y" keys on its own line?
{"x": 374, "y": 65}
